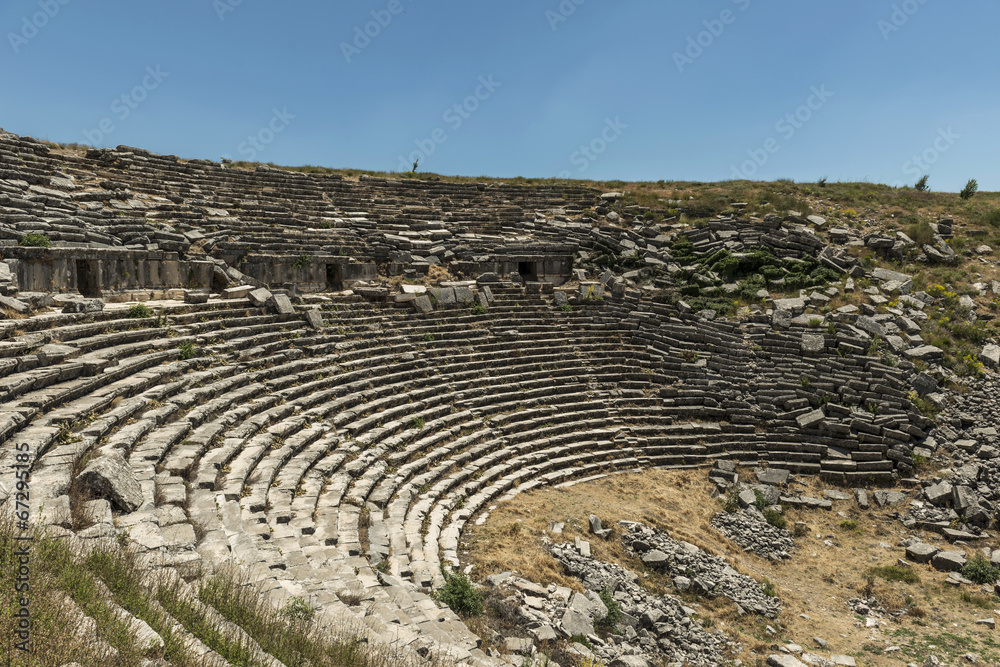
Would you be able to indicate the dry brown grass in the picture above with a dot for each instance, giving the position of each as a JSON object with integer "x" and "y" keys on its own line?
{"x": 813, "y": 586}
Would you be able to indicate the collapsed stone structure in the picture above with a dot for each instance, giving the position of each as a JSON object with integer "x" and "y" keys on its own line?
{"x": 336, "y": 445}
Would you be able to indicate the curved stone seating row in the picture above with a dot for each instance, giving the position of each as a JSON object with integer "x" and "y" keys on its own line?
{"x": 278, "y": 212}
{"x": 311, "y": 457}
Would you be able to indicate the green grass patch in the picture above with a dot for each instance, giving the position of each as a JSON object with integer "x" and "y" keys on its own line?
{"x": 850, "y": 525}
{"x": 906, "y": 575}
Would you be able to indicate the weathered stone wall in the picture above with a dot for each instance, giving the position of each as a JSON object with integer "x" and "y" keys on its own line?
{"x": 110, "y": 270}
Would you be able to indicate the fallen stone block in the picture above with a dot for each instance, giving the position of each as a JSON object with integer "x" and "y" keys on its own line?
{"x": 240, "y": 292}
{"x": 921, "y": 552}
{"x": 938, "y": 494}
{"x": 83, "y": 306}
{"x": 948, "y": 561}
{"x": 924, "y": 384}
{"x": 260, "y": 296}
{"x": 811, "y": 419}
{"x": 990, "y": 355}
{"x": 774, "y": 476}
{"x": 577, "y": 623}
{"x": 421, "y": 304}
{"x": 192, "y": 296}
{"x": 15, "y": 305}
{"x": 925, "y": 353}
{"x": 812, "y": 343}
{"x": 889, "y": 498}
{"x": 314, "y": 319}
{"x": 110, "y": 477}
{"x": 795, "y": 306}
{"x": 869, "y": 325}
{"x": 281, "y": 304}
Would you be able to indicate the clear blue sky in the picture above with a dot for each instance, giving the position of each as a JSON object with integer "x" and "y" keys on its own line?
{"x": 627, "y": 81}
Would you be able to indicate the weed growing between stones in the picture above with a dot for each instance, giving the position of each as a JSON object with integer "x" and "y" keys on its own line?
{"x": 614, "y": 616}
{"x": 139, "y": 311}
{"x": 33, "y": 240}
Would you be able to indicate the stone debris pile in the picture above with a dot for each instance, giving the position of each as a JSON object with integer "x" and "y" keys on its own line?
{"x": 962, "y": 499}
{"x": 695, "y": 570}
{"x": 649, "y": 624}
{"x": 751, "y": 532}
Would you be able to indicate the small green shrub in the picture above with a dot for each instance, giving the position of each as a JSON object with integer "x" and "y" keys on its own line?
{"x": 418, "y": 423}
{"x": 992, "y": 218}
{"x": 186, "y": 351}
{"x": 921, "y": 185}
{"x": 461, "y": 595}
{"x": 566, "y": 308}
{"x": 302, "y": 261}
{"x": 731, "y": 503}
{"x": 139, "y": 311}
{"x": 921, "y": 232}
{"x": 800, "y": 530}
{"x": 980, "y": 570}
{"x": 759, "y": 500}
{"x": 805, "y": 382}
{"x": 614, "y": 615}
{"x": 297, "y": 610}
{"x": 479, "y": 309}
{"x": 33, "y": 240}
{"x": 774, "y": 517}
{"x": 767, "y": 588}
{"x": 428, "y": 338}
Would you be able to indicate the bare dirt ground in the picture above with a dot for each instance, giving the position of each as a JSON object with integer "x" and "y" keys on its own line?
{"x": 827, "y": 568}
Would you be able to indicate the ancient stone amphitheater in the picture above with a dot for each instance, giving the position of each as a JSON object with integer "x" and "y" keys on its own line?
{"x": 296, "y": 405}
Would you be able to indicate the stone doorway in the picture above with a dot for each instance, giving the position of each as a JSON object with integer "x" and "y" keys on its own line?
{"x": 88, "y": 278}
{"x": 528, "y": 271}
{"x": 335, "y": 277}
